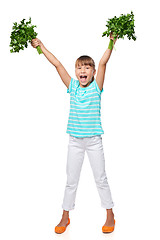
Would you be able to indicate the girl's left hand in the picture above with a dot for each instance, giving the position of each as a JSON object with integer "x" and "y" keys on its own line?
{"x": 111, "y": 37}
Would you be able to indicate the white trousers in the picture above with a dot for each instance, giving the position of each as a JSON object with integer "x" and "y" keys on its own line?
{"x": 76, "y": 151}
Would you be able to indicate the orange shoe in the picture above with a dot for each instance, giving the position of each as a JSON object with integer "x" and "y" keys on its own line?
{"x": 61, "y": 229}
{"x": 106, "y": 229}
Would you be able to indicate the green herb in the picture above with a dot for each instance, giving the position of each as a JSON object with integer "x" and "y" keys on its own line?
{"x": 22, "y": 34}
{"x": 124, "y": 25}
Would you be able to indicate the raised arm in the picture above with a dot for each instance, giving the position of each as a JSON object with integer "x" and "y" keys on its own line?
{"x": 102, "y": 66}
{"x": 53, "y": 60}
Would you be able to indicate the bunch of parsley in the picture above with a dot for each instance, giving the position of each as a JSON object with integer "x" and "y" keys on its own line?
{"x": 22, "y": 34}
{"x": 119, "y": 27}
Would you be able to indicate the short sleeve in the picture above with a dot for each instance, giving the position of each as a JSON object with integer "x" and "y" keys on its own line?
{"x": 69, "y": 90}
{"x": 97, "y": 88}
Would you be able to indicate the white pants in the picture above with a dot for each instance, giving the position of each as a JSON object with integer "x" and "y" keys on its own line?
{"x": 76, "y": 151}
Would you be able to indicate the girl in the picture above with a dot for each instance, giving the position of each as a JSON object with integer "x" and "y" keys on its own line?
{"x": 84, "y": 129}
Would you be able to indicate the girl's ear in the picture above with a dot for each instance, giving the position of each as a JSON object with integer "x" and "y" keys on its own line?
{"x": 94, "y": 72}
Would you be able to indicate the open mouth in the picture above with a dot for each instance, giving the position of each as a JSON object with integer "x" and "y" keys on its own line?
{"x": 83, "y": 77}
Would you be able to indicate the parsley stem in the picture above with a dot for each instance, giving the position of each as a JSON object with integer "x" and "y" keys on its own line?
{"x": 39, "y": 50}
{"x": 110, "y": 46}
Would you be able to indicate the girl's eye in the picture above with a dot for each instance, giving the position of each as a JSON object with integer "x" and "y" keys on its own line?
{"x": 87, "y": 67}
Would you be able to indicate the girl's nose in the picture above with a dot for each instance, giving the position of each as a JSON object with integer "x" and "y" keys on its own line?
{"x": 83, "y": 69}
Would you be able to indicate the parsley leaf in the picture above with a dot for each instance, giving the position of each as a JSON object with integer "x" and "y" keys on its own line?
{"x": 21, "y": 35}
{"x": 122, "y": 26}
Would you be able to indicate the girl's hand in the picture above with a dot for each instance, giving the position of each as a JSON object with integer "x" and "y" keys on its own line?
{"x": 36, "y": 42}
{"x": 111, "y": 37}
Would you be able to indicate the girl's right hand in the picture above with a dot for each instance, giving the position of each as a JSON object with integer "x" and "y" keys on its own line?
{"x": 36, "y": 42}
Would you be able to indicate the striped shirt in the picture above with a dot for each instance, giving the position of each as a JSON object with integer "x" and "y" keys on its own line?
{"x": 85, "y": 105}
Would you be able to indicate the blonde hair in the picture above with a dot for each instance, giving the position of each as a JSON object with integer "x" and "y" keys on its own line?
{"x": 85, "y": 60}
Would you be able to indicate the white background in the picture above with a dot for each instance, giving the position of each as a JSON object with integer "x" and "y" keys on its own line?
{"x": 34, "y": 110}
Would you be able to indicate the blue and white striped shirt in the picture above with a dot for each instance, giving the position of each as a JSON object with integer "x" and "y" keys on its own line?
{"x": 85, "y": 105}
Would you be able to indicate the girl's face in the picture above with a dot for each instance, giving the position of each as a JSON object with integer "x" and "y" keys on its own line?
{"x": 84, "y": 74}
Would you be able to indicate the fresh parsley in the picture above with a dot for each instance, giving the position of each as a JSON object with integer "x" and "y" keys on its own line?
{"x": 21, "y": 35}
{"x": 119, "y": 27}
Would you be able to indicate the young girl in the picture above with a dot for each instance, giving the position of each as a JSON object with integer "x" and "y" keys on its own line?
{"x": 84, "y": 129}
